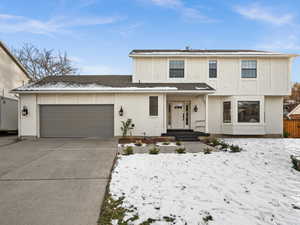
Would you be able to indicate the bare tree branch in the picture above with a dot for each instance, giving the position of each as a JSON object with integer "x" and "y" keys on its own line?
{"x": 43, "y": 62}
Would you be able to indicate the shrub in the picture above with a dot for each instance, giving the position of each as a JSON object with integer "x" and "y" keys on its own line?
{"x": 286, "y": 134}
{"x": 154, "y": 151}
{"x": 180, "y": 150}
{"x": 138, "y": 143}
{"x": 128, "y": 150}
{"x": 126, "y": 127}
{"x": 224, "y": 145}
{"x": 296, "y": 162}
{"x": 235, "y": 148}
{"x": 207, "y": 151}
{"x": 214, "y": 142}
{"x": 178, "y": 143}
{"x": 166, "y": 143}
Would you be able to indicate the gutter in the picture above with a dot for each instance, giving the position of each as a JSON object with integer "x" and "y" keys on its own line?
{"x": 217, "y": 56}
{"x": 113, "y": 91}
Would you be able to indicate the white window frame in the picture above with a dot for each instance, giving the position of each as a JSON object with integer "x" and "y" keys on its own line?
{"x": 257, "y": 65}
{"x": 213, "y": 78}
{"x": 168, "y": 69}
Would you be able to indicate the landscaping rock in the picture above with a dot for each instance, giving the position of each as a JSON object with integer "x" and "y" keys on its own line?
{"x": 296, "y": 162}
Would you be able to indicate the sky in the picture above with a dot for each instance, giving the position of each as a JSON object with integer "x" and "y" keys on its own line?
{"x": 98, "y": 34}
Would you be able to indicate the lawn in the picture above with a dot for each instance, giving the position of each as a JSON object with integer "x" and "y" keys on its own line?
{"x": 255, "y": 186}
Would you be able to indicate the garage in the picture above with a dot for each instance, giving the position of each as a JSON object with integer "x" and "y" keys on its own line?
{"x": 77, "y": 121}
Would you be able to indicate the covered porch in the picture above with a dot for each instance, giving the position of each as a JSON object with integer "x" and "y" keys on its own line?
{"x": 186, "y": 112}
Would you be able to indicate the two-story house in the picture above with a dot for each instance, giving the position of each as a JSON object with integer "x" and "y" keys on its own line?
{"x": 12, "y": 75}
{"x": 234, "y": 92}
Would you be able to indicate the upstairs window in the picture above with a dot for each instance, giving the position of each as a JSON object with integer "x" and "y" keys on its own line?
{"x": 226, "y": 112}
{"x": 249, "y": 69}
{"x": 153, "y": 105}
{"x": 212, "y": 68}
{"x": 176, "y": 68}
{"x": 248, "y": 112}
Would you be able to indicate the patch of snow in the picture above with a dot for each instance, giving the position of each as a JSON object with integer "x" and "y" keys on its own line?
{"x": 94, "y": 87}
{"x": 255, "y": 187}
{"x": 130, "y": 144}
{"x": 202, "y": 88}
{"x": 207, "y": 53}
{"x": 171, "y": 144}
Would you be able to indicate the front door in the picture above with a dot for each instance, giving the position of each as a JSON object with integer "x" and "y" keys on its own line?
{"x": 178, "y": 115}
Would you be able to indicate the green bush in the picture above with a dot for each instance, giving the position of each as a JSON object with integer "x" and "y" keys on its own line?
{"x": 178, "y": 143}
{"x": 128, "y": 150}
{"x": 207, "y": 151}
{"x": 286, "y": 134}
{"x": 214, "y": 142}
{"x": 224, "y": 145}
{"x": 154, "y": 151}
{"x": 235, "y": 148}
{"x": 166, "y": 143}
{"x": 180, "y": 150}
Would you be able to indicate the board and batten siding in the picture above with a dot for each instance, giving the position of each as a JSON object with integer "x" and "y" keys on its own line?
{"x": 135, "y": 106}
{"x": 273, "y": 74}
{"x": 11, "y": 76}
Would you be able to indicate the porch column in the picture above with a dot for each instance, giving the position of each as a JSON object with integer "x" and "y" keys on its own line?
{"x": 206, "y": 113}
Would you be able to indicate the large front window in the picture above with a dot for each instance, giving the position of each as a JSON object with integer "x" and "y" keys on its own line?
{"x": 226, "y": 112}
{"x": 248, "y": 112}
{"x": 176, "y": 68}
{"x": 249, "y": 69}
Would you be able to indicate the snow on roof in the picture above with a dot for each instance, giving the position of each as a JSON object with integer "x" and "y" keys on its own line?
{"x": 202, "y": 52}
{"x": 84, "y": 87}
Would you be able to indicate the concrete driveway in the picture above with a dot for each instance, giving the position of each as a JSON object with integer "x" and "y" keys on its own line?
{"x": 54, "y": 181}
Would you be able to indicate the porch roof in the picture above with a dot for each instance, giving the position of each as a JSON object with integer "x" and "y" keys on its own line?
{"x": 107, "y": 83}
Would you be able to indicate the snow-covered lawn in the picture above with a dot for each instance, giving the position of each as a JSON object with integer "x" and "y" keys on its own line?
{"x": 253, "y": 187}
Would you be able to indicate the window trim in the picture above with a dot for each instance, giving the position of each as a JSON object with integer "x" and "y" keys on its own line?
{"x": 213, "y": 78}
{"x": 184, "y": 69}
{"x": 229, "y": 111}
{"x": 241, "y": 69}
{"x": 149, "y": 105}
{"x": 259, "y": 112}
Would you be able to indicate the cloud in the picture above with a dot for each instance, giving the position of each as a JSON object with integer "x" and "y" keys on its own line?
{"x": 265, "y": 14}
{"x": 129, "y": 29}
{"x": 289, "y": 43}
{"x": 188, "y": 13}
{"x": 14, "y": 24}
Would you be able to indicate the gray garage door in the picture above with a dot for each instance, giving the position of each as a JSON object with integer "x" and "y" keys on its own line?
{"x": 77, "y": 121}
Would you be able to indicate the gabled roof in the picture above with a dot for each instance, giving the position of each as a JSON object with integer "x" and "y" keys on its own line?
{"x": 293, "y": 111}
{"x": 205, "y": 52}
{"x": 16, "y": 61}
{"x": 106, "y": 83}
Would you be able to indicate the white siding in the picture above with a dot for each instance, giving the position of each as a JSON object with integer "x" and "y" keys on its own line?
{"x": 11, "y": 76}
{"x": 273, "y": 74}
{"x": 274, "y": 115}
{"x": 135, "y": 106}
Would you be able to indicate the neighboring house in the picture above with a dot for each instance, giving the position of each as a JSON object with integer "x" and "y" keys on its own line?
{"x": 234, "y": 92}
{"x": 12, "y": 75}
{"x": 295, "y": 113}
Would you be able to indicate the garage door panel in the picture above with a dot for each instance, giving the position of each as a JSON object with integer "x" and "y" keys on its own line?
{"x": 76, "y": 121}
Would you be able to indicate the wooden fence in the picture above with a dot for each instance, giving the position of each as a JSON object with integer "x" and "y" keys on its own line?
{"x": 292, "y": 127}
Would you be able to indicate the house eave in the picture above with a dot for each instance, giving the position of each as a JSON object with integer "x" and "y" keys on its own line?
{"x": 142, "y": 55}
{"x": 112, "y": 91}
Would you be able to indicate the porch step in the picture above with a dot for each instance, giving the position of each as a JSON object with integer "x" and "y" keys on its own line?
{"x": 185, "y": 135}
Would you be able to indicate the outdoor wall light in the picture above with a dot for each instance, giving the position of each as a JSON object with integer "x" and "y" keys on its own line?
{"x": 121, "y": 111}
{"x": 195, "y": 108}
{"x": 24, "y": 111}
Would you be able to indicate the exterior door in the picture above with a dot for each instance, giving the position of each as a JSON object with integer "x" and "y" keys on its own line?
{"x": 177, "y": 115}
